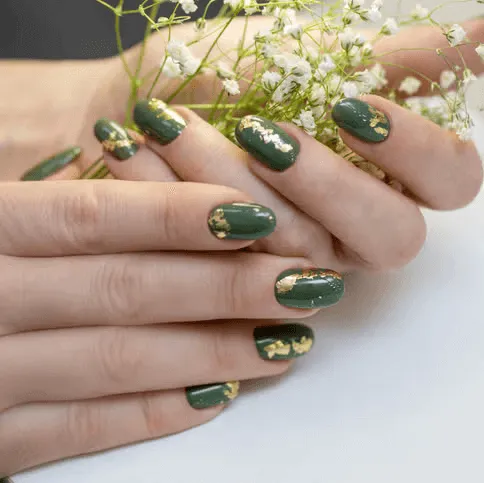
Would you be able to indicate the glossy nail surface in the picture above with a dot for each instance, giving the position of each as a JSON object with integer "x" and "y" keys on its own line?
{"x": 309, "y": 288}
{"x": 209, "y": 395}
{"x": 52, "y": 165}
{"x": 115, "y": 139}
{"x": 361, "y": 120}
{"x": 285, "y": 341}
{"x": 267, "y": 142}
{"x": 157, "y": 120}
{"x": 241, "y": 221}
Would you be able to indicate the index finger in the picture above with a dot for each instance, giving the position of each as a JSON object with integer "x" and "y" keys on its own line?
{"x": 94, "y": 217}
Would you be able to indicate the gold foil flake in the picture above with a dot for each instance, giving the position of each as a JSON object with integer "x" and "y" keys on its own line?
{"x": 163, "y": 112}
{"x": 277, "y": 348}
{"x": 112, "y": 143}
{"x": 267, "y": 135}
{"x": 232, "y": 390}
{"x": 286, "y": 284}
{"x": 382, "y": 131}
{"x": 303, "y": 346}
{"x": 217, "y": 221}
{"x": 331, "y": 273}
{"x": 378, "y": 117}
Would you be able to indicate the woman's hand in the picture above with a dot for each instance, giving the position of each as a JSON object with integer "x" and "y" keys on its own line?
{"x": 328, "y": 211}
{"x": 92, "y": 277}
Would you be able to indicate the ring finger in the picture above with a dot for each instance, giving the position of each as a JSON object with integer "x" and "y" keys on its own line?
{"x": 84, "y": 363}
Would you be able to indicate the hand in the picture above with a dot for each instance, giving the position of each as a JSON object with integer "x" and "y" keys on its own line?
{"x": 91, "y": 274}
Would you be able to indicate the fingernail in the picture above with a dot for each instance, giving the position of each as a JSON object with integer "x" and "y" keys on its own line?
{"x": 361, "y": 120}
{"x": 281, "y": 342}
{"x": 157, "y": 120}
{"x": 267, "y": 142}
{"x": 52, "y": 165}
{"x": 208, "y": 395}
{"x": 115, "y": 139}
{"x": 309, "y": 288}
{"x": 242, "y": 221}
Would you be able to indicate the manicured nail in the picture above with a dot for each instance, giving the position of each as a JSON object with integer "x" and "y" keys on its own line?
{"x": 309, "y": 288}
{"x": 52, "y": 165}
{"x": 361, "y": 120}
{"x": 115, "y": 139}
{"x": 267, "y": 142}
{"x": 157, "y": 120}
{"x": 242, "y": 221}
{"x": 285, "y": 341}
{"x": 209, "y": 395}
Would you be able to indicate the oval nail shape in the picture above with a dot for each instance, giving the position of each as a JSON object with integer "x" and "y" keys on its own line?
{"x": 115, "y": 139}
{"x": 361, "y": 120}
{"x": 309, "y": 288}
{"x": 242, "y": 221}
{"x": 52, "y": 165}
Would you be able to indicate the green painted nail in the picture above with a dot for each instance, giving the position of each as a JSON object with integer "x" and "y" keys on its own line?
{"x": 267, "y": 142}
{"x": 155, "y": 119}
{"x": 242, "y": 221}
{"x": 281, "y": 342}
{"x": 361, "y": 120}
{"x": 209, "y": 395}
{"x": 309, "y": 288}
{"x": 52, "y": 165}
{"x": 115, "y": 139}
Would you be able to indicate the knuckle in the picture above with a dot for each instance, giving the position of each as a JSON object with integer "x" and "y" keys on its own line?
{"x": 119, "y": 362}
{"x": 154, "y": 415}
{"x": 84, "y": 426}
{"x": 233, "y": 290}
{"x": 82, "y": 216}
{"x": 222, "y": 356}
{"x": 169, "y": 219}
{"x": 118, "y": 288}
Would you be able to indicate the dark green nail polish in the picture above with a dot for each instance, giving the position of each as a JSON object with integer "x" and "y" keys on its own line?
{"x": 52, "y": 165}
{"x": 115, "y": 139}
{"x": 242, "y": 221}
{"x": 281, "y": 342}
{"x": 267, "y": 142}
{"x": 309, "y": 288}
{"x": 208, "y": 395}
{"x": 157, "y": 120}
{"x": 361, "y": 120}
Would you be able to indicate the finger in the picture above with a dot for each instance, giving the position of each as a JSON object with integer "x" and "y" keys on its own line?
{"x": 127, "y": 156}
{"x": 375, "y": 225}
{"x": 199, "y": 152}
{"x": 39, "y": 433}
{"x": 437, "y": 167}
{"x": 157, "y": 288}
{"x": 413, "y": 51}
{"x": 89, "y": 217}
{"x": 84, "y": 363}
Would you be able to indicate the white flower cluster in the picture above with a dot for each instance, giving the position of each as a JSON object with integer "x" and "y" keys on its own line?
{"x": 180, "y": 60}
{"x": 188, "y": 6}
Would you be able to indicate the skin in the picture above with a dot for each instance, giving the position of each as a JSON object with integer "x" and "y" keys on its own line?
{"x": 94, "y": 324}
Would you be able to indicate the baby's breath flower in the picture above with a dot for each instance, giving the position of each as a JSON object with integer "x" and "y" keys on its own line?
{"x": 306, "y": 121}
{"x": 455, "y": 35}
{"x": 231, "y": 86}
{"x": 188, "y": 6}
{"x": 224, "y": 71}
{"x": 447, "y": 78}
{"x": 200, "y": 25}
{"x": 480, "y": 51}
{"x": 270, "y": 79}
{"x": 372, "y": 14}
{"x": 410, "y": 85}
{"x": 390, "y": 27}
{"x": 350, "y": 89}
{"x": 372, "y": 79}
{"x": 327, "y": 64}
{"x": 317, "y": 95}
{"x": 171, "y": 69}
{"x": 367, "y": 49}
{"x": 190, "y": 66}
{"x": 419, "y": 12}
{"x": 294, "y": 30}
{"x": 232, "y": 3}
{"x": 178, "y": 51}
{"x": 348, "y": 38}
